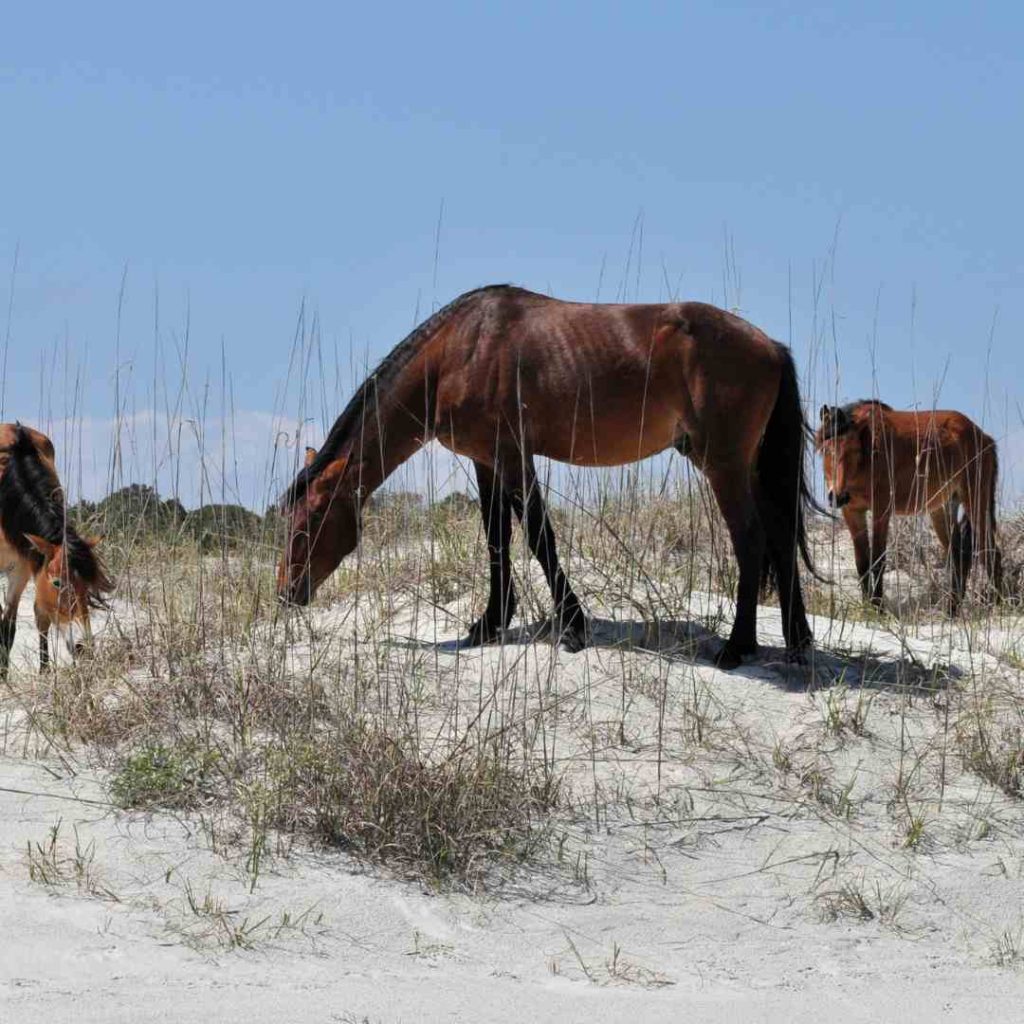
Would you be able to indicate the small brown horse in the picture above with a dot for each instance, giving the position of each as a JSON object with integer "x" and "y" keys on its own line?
{"x": 501, "y": 375}
{"x": 37, "y": 541}
{"x": 889, "y": 462}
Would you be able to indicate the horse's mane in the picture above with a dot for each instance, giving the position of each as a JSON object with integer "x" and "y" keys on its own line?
{"x": 32, "y": 501}
{"x": 850, "y": 406}
{"x": 842, "y": 418}
{"x": 352, "y": 416}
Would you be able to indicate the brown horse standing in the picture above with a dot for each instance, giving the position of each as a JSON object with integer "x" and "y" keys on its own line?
{"x": 37, "y": 541}
{"x": 502, "y": 375}
{"x": 889, "y": 462}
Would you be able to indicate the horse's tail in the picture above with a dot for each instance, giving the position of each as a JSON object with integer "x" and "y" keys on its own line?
{"x": 782, "y": 474}
{"x": 992, "y": 492}
{"x": 995, "y": 556}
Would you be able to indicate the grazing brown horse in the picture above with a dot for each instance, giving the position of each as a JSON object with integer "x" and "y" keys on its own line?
{"x": 501, "y": 375}
{"x": 37, "y": 541}
{"x": 890, "y": 463}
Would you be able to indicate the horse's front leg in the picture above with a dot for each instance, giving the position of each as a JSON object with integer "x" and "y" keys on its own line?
{"x": 879, "y": 542}
{"x": 496, "y": 509}
{"x": 16, "y": 583}
{"x": 519, "y": 479}
{"x": 43, "y": 624}
{"x": 8, "y": 627}
{"x": 857, "y": 523}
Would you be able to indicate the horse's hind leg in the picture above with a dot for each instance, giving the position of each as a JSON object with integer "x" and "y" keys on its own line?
{"x": 519, "y": 478}
{"x": 733, "y": 492}
{"x": 496, "y": 509}
{"x": 954, "y": 539}
{"x": 781, "y": 550}
{"x": 982, "y": 523}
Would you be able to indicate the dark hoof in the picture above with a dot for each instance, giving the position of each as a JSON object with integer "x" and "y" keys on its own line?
{"x": 480, "y": 633}
{"x": 576, "y": 638}
{"x": 797, "y": 655}
{"x": 573, "y": 629}
{"x": 727, "y": 660}
{"x": 731, "y": 656}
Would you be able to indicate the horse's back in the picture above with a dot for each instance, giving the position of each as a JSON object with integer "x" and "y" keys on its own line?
{"x": 602, "y": 383}
{"x": 943, "y": 428}
{"x": 943, "y": 447}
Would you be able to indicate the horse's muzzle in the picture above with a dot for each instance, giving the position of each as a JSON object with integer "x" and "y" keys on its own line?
{"x": 838, "y": 500}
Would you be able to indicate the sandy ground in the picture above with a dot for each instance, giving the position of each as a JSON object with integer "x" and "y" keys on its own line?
{"x": 711, "y": 911}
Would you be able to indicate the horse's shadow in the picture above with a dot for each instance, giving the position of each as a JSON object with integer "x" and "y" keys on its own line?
{"x": 690, "y": 642}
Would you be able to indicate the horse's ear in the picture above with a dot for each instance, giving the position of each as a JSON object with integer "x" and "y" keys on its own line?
{"x": 43, "y": 546}
{"x": 310, "y": 455}
{"x": 825, "y": 414}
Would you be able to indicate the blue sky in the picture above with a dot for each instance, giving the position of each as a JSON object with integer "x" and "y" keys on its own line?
{"x": 847, "y": 176}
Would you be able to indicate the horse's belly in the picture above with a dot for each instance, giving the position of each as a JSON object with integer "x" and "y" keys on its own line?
{"x": 614, "y": 441}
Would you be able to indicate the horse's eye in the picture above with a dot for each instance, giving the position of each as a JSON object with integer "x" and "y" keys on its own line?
{"x": 57, "y": 583}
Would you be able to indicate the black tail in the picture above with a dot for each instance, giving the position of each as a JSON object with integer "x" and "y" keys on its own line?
{"x": 992, "y": 496}
{"x": 782, "y": 471}
{"x": 995, "y": 564}
{"x": 783, "y": 492}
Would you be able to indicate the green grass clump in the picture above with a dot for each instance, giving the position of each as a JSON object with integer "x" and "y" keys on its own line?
{"x": 374, "y": 795}
{"x": 158, "y": 775}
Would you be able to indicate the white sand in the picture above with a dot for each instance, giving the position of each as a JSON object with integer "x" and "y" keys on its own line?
{"x": 717, "y": 914}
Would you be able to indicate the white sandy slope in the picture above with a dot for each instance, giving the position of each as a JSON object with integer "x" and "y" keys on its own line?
{"x": 713, "y": 916}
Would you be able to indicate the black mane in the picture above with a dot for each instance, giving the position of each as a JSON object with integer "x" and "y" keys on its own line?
{"x": 838, "y": 419}
{"x": 352, "y": 415}
{"x": 850, "y": 406}
{"x": 32, "y": 501}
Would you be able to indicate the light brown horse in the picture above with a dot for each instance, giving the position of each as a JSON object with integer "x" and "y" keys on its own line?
{"x": 888, "y": 462}
{"x": 37, "y": 542}
{"x": 502, "y": 375}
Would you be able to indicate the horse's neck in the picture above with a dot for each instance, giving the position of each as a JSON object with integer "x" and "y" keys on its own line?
{"x": 392, "y": 431}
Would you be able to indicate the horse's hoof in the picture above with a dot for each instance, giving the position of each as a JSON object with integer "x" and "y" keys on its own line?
{"x": 576, "y": 640}
{"x": 797, "y": 655}
{"x": 480, "y": 633}
{"x": 574, "y": 632}
{"x": 729, "y": 657}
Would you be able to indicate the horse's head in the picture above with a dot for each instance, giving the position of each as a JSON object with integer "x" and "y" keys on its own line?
{"x": 63, "y": 594}
{"x": 845, "y": 451}
{"x": 323, "y": 527}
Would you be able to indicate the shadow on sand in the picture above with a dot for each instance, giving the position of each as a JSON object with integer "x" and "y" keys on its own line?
{"x": 691, "y": 643}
